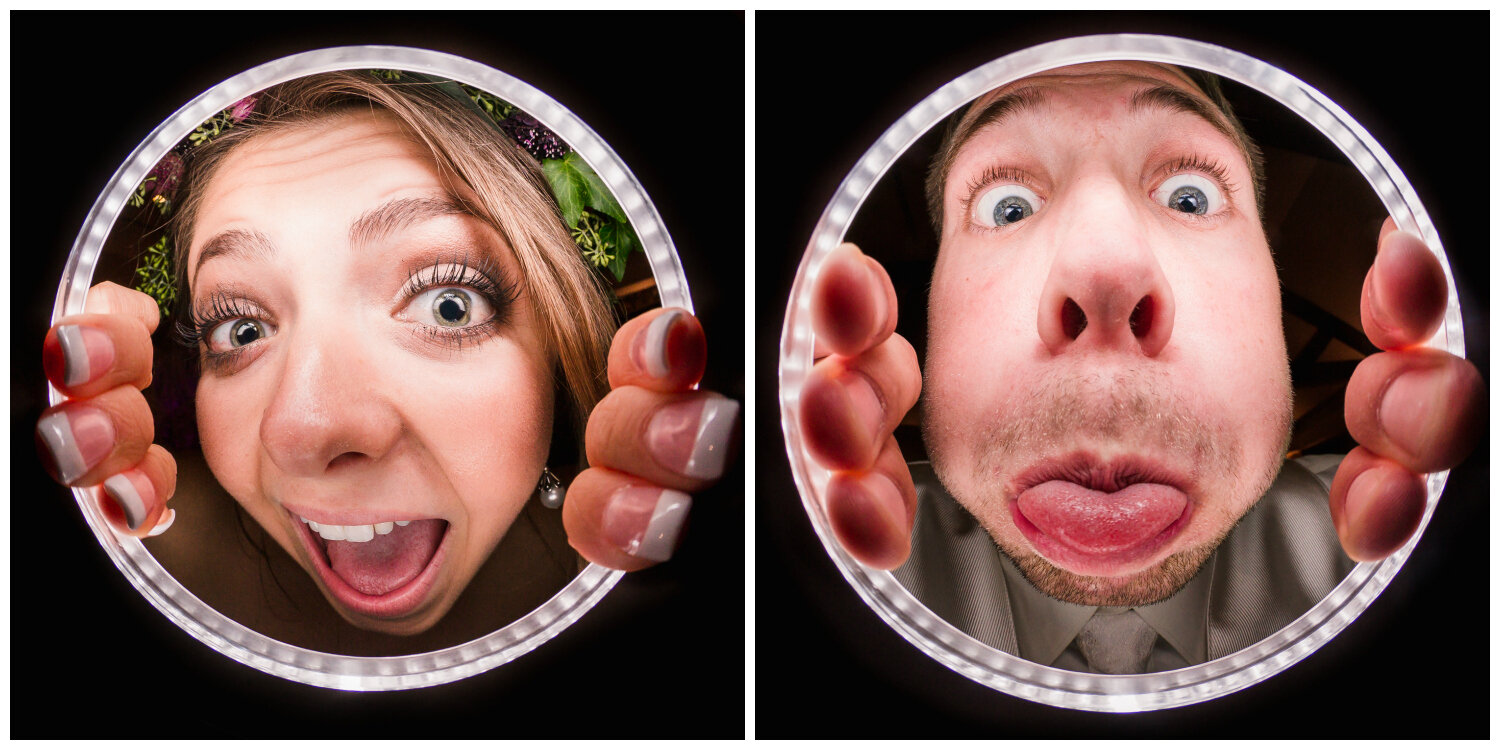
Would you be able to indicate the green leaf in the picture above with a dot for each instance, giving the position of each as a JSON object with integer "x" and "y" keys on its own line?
{"x": 600, "y": 198}
{"x": 569, "y": 187}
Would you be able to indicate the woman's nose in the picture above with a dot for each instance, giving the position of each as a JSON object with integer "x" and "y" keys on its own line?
{"x": 1105, "y": 288}
{"x": 328, "y": 411}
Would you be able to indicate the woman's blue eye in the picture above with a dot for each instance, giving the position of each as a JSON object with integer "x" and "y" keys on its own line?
{"x": 1004, "y": 205}
{"x": 240, "y": 332}
{"x": 1190, "y": 194}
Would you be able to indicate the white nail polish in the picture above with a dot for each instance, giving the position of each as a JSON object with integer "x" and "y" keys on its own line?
{"x": 57, "y": 433}
{"x": 654, "y": 350}
{"x": 711, "y": 447}
{"x": 123, "y": 491}
{"x": 165, "y": 523}
{"x": 75, "y": 355}
{"x": 660, "y": 539}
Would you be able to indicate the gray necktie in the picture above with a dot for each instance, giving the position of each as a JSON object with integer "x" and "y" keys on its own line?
{"x": 1116, "y": 642}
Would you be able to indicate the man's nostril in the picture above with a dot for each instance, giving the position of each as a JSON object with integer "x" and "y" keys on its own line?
{"x": 1073, "y": 319}
{"x": 1140, "y": 318}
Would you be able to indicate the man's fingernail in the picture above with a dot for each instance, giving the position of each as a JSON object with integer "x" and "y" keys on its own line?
{"x": 692, "y": 437}
{"x": 1411, "y": 409}
{"x": 130, "y": 497}
{"x": 87, "y": 353}
{"x": 165, "y": 523}
{"x": 651, "y": 346}
{"x": 76, "y": 438}
{"x": 645, "y": 522}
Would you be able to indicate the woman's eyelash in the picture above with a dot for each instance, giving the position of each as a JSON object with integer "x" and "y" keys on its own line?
{"x": 485, "y": 277}
{"x": 196, "y": 324}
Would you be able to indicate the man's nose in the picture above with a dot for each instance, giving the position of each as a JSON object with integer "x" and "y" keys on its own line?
{"x": 1105, "y": 289}
{"x": 328, "y": 411}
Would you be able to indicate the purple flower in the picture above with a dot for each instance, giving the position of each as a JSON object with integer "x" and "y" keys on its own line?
{"x": 534, "y": 136}
{"x": 242, "y": 108}
{"x": 168, "y": 172}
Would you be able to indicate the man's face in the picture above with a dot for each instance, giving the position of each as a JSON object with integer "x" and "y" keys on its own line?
{"x": 1107, "y": 387}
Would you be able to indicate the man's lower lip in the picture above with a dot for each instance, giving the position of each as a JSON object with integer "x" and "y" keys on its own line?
{"x": 395, "y": 604}
{"x": 1114, "y": 563}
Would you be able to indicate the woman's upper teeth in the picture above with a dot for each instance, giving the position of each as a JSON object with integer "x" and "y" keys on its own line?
{"x": 352, "y": 533}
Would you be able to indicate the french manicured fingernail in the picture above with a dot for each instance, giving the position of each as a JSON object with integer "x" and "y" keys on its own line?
{"x": 165, "y": 523}
{"x": 691, "y": 437}
{"x": 651, "y": 346}
{"x": 1412, "y": 408}
{"x": 645, "y": 522}
{"x": 125, "y": 489}
{"x": 76, "y": 438}
{"x": 82, "y": 354}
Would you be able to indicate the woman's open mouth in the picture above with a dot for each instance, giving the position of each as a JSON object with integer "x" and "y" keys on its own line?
{"x": 1100, "y": 519}
{"x": 381, "y": 570}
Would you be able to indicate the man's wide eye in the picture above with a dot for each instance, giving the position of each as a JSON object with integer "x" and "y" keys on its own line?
{"x": 1005, "y": 204}
{"x": 1190, "y": 194}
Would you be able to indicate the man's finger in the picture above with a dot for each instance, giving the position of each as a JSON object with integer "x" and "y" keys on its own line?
{"x": 662, "y": 350}
{"x": 853, "y": 303}
{"x": 1422, "y": 408}
{"x": 621, "y": 521}
{"x": 1405, "y": 293}
{"x": 1376, "y": 504}
{"x": 849, "y": 406}
{"x": 872, "y": 511}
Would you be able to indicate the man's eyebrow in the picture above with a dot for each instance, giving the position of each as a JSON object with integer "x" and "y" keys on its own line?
{"x": 1029, "y": 97}
{"x": 395, "y": 215}
{"x": 1175, "y": 99}
{"x": 242, "y": 243}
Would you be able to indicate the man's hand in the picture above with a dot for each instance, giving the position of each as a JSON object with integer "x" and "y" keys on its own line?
{"x": 852, "y": 402}
{"x": 651, "y": 441}
{"x": 1413, "y": 409}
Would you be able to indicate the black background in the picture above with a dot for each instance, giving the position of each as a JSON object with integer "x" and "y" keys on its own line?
{"x": 662, "y": 655}
{"x": 1415, "y": 664}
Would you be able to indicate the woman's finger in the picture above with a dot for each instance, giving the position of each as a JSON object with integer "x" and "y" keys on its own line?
{"x": 135, "y": 500}
{"x": 88, "y": 354}
{"x": 82, "y": 443}
{"x": 1422, "y": 408}
{"x": 621, "y": 521}
{"x": 676, "y": 440}
{"x": 872, "y": 512}
{"x": 853, "y": 303}
{"x": 662, "y": 350}
{"x": 109, "y": 298}
{"x": 1376, "y": 504}
{"x": 849, "y": 406}
{"x": 1405, "y": 293}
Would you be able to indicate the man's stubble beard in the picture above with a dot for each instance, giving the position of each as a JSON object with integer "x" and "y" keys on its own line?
{"x": 1128, "y": 410}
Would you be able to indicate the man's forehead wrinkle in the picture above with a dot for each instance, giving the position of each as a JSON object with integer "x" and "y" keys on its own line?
{"x": 1177, "y": 100}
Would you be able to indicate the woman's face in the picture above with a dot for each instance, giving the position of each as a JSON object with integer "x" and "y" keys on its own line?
{"x": 371, "y": 359}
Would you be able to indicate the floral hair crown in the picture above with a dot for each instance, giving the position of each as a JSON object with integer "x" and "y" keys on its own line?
{"x": 589, "y": 210}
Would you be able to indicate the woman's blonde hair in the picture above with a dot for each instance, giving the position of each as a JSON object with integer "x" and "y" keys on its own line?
{"x": 513, "y": 197}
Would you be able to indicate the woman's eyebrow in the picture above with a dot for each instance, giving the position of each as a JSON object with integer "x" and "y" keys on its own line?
{"x": 242, "y": 243}
{"x": 395, "y": 215}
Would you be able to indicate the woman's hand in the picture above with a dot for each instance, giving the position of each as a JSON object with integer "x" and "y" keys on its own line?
{"x": 101, "y": 436}
{"x": 651, "y": 442}
{"x": 1413, "y": 409}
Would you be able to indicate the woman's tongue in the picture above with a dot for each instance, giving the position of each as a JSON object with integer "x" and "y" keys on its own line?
{"x": 1097, "y": 522}
{"x": 388, "y": 561}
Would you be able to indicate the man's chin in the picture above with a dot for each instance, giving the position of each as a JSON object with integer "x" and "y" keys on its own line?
{"x": 1149, "y": 586}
